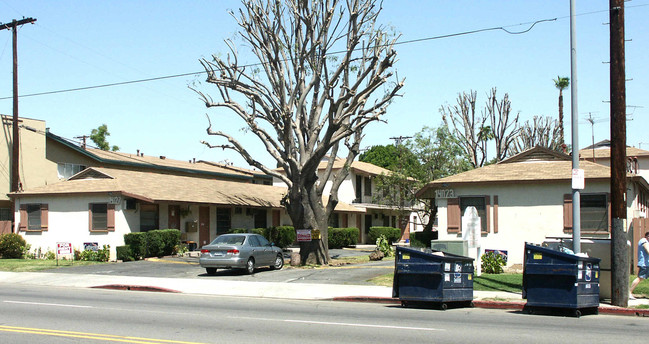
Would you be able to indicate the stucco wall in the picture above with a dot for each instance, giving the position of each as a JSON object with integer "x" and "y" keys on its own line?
{"x": 526, "y": 213}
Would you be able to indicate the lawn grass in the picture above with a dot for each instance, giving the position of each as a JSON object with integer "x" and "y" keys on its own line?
{"x": 32, "y": 265}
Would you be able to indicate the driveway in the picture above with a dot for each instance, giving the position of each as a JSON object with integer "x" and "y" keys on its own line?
{"x": 188, "y": 267}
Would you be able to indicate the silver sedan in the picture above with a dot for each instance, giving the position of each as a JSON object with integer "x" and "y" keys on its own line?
{"x": 240, "y": 251}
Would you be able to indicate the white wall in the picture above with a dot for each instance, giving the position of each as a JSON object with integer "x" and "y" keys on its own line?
{"x": 526, "y": 213}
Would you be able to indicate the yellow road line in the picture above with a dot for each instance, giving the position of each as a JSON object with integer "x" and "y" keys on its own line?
{"x": 97, "y": 336}
{"x": 169, "y": 261}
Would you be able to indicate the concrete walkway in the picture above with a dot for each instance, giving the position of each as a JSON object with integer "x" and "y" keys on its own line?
{"x": 278, "y": 290}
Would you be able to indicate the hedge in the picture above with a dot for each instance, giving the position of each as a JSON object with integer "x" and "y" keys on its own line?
{"x": 422, "y": 239}
{"x": 341, "y": 237}
{"x": 391, "y": 233}
{"x": 282, "y": 236}
{"x": 12, "y": 245}
{"x": 155, "y": 243}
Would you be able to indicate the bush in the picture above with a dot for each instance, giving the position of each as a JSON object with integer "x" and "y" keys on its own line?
{"x": 391, "y": 234}
{"x": 101, "y": 255}
{"x": 12, "y": 245}
{"x": 154, "y": 243}
{"x": 383, "y": 245}
{"x": 137, "y": 244}
{"x": 492, "y": 263}
{"x": 422, "y": 239}
{"x": 341, "y": 237}
{"x": 171, "y": 240}
{"x": 282, "y": 236}
{"x": 124, "y": 253}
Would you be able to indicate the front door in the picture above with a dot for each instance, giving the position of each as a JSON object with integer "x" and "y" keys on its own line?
{"x": 368, "y": 224}
{"x": 174, "y": 217}
{"x": 203, "y": 226}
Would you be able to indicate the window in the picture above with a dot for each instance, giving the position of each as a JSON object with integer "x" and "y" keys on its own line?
{"x": 368, "y": 186}
{"x": 5, "y": 214}
{"x": 359, "y": 188}
{"x": 66, "y": 170}
{"x": 223, "y": 223}
{"x": 102, "y": 217}
{"x": 594, "y": 213}
{"x": 148, "y": 217}
{"x": 457, "y": 206}
{"x": 334, "y": 221}
{"x": 33, "y": 217}
{"x": 260, "y": 218}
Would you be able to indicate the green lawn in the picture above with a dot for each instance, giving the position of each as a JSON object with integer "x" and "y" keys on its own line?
{"x": 31, "y": 265}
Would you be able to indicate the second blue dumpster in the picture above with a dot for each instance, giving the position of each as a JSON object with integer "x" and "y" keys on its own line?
{"x": 423, "y": 275}
{"x": 556, "y": 279}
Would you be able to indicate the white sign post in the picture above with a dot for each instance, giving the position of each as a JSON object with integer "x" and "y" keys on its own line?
{"x": 63, "y": 248}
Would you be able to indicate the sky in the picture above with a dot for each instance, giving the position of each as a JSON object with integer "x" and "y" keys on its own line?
{"x": 82, "y": 44}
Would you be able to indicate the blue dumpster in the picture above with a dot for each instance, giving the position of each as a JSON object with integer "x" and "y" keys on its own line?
{"x": 554, "y": 279}
{"x": 424, "y": 275}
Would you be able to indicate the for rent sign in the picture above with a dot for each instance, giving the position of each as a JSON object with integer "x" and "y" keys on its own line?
{"x": 303, "y": 235}
{"x": 63, "y": 248}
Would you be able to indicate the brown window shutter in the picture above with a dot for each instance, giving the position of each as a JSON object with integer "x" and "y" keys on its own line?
{"x": 453, "y": 216}
{"x": 567, "y": 212}
{"x": 44, "y": 216}
{"x": 110, "y": 217}
{"x": 495, "y": 214}
{"x": 90, "y": 216}
{"x": 487, "y": 202}
{"x": 608, "y": 210}
{"x": 23, "y": 217}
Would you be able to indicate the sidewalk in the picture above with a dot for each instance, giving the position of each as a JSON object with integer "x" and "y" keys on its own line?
{"x": 301, "y": 291}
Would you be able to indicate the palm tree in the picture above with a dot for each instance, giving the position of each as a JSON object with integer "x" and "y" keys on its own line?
{"x": 561, "y": 84}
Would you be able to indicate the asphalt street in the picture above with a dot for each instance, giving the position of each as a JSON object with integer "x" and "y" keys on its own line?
{"x": 188, "y": 267}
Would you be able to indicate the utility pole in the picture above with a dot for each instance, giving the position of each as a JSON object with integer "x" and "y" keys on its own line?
{"x": 15, "y": 157}
{"x": 619, "y": 250}
{"x": 574, "y": 112}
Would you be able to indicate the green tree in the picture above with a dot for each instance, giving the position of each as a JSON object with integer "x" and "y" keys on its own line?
{"x": 98, "y": 136}
{"x": 561, "y": 83}
{"x": 391, "y": 157}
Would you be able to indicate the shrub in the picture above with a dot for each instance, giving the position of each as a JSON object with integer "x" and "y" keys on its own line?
{"x": 391, "y": 234}
{"x": 101, "y": 255}
{"x": 124, "y": 253}
{"x": 492, "y": 263}
{"x": 170, "y": 239}
{"x": 341, "y": 237}
{"x": 422, "y": 239}
{"x": 137, "y": 244}
{"x": 383, "y": 245}
{"x": 12, "y": 245}
{"x": 282, "y": 236}
{"x": 154, "y": 243}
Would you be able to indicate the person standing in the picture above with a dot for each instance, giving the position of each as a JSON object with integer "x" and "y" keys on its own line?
{"x": 643, "y": 263}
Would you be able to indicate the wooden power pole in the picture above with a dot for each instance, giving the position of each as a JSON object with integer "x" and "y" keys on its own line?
{"x": 619, "y": 249}
{"x": 15, "y": 151}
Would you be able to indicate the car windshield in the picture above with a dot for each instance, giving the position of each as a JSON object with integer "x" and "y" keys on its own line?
{"x": 229, "y": 240}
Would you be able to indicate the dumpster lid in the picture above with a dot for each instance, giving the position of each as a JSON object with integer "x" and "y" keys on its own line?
{"x": 435, "y": 253}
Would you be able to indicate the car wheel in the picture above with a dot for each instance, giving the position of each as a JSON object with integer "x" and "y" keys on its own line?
{"x": 250, "y": 266}
{"x": 210, "y": 271}
{"x": 279, "y": 263}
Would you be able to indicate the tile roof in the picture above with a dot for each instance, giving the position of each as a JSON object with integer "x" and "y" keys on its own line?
{"x": 158, "y": 187}
{"x": 606, "y": 152}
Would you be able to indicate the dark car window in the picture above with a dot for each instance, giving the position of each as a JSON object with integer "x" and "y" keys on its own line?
{"x": 263, "y": 241}
{"x": 253, "y": 241}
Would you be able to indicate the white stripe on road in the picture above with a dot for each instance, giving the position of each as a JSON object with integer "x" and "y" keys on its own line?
{"x": 342, "y": 324}
{"x": 47, "y": 304}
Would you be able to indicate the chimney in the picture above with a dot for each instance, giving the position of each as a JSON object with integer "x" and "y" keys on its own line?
{"x": 163, "y": 157}
{"x": 194, "y": 161}
{"x": 138, "y": 153}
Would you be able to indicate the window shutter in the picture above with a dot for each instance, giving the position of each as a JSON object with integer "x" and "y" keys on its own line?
{"x": 567, "y": 212}
{"x": 487, "y": 203}
{"x": 495, "y": 214}
{"x": 23, "y": 217}
{"x": 453, "y": 217}
{"x": 608, "y": 210}
{"x": 44, "y": 216}
{"x": 90, "y": 216}
{"x": 110, "y": 217}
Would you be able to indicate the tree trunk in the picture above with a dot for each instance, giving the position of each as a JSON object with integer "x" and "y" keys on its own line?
{"x": 561, "y": 140}
{"x": 307, "y": 212}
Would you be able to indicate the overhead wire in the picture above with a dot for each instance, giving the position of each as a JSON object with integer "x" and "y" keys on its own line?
{"x": 502, "y": 28}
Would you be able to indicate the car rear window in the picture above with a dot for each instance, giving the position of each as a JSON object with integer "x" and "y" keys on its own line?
{"x": 229, "y": 240}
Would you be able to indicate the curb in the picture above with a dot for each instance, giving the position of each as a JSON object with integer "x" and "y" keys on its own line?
{"x": 135, "y": 288}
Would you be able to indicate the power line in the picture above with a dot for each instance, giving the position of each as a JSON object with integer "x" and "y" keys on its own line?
{"x": 464, "y": 33}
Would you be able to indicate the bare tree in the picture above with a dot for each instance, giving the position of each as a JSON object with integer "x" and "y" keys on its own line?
{"x": 322, "y": 63}
{"x": 504, "y": 130}
{"x": 542, "y": 131}
{"x": 466, "y": 127}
